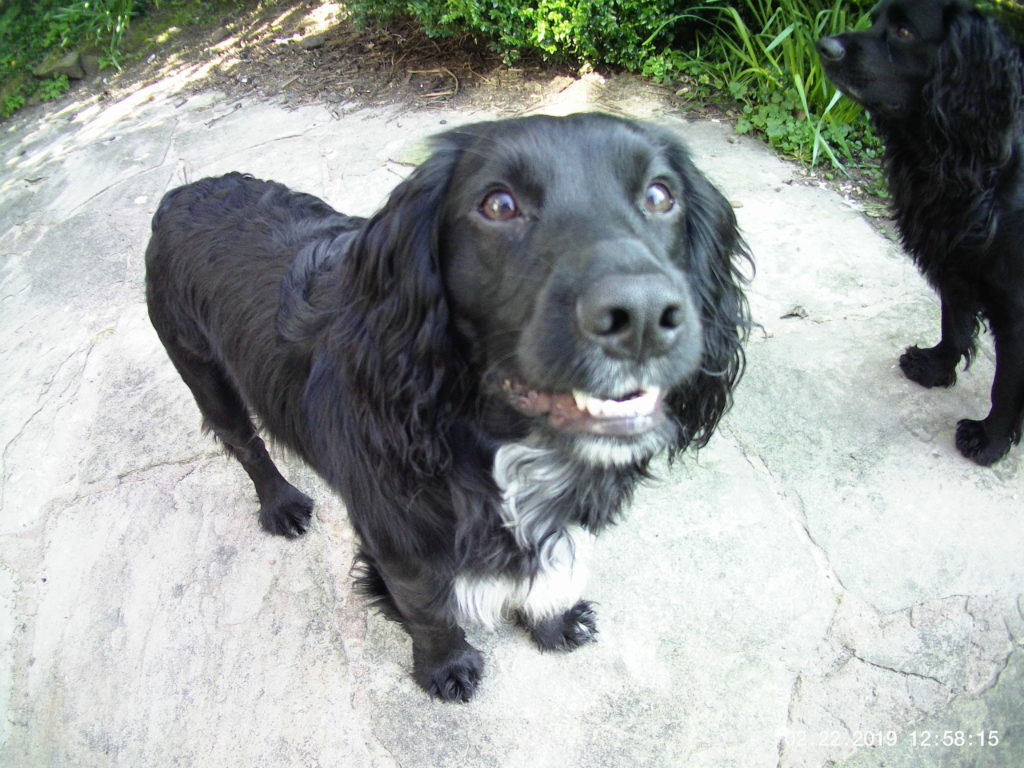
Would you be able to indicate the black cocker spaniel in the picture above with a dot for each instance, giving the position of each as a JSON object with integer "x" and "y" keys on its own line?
{"x": 944, "y": 86}
{"x": 483, "y": 370}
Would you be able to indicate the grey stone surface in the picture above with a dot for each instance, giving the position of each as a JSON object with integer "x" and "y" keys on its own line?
{"x": 827, "y": 584}
{"x": 70, "y": 64}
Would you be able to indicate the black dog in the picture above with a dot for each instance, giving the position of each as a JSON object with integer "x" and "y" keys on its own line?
{"x": 943, "y": 85}
{"x": 483, "y": 369}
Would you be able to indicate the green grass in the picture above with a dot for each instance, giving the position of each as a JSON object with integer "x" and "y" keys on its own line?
{"x": 33, "y": 30}
{"x": 764, "y": 53}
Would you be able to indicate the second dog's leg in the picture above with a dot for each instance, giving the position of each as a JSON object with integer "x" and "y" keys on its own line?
{"x": 988, "y": 440}
{"x": 936, "y": 366}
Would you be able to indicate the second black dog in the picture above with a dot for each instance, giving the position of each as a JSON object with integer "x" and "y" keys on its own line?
{"x": 943, "y": 85}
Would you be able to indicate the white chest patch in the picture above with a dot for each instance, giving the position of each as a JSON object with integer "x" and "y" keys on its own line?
{"x": 530, "y": 478}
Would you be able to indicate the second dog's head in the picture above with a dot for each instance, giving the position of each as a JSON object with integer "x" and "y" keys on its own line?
{"x": 574, "y": 278}
{"x": 937, "y": 59}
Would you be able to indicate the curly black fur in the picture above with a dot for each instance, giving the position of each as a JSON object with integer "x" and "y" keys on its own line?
{"x": 944, "y": 86}
{"x": 380, "y": 351}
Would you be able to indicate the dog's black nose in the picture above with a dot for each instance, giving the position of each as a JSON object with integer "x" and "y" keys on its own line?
{"x": 831, "y": 49}
{"x": 632, "y": 316}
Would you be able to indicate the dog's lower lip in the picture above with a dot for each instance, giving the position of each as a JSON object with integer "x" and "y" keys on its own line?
{"x": 580, "y": 412}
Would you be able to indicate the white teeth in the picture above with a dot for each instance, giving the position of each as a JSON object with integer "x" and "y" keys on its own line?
{"x": 643, "y": 404}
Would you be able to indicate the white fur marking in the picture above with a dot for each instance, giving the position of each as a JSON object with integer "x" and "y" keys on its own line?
{"x": 556, "y": 588}
{"x": 608, "y": 452}
{"x": 529, "y": 479}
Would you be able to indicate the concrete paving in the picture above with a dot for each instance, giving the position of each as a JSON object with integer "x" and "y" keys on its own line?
{"x": 827, "y": 584}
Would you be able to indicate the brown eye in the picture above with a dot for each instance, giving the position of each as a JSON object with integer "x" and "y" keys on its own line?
{"x": 904, "y": 33}
{"x": 657, "y": 199}
{"x": 499, "y": 206}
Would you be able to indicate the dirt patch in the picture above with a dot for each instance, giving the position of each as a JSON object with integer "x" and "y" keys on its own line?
{"x": 310, "y": 51}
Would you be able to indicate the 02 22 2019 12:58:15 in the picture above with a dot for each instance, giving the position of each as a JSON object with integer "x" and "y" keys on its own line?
{"x": 954, "y": 739}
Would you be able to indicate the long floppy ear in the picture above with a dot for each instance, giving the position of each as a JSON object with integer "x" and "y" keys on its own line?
{"x": 382, "y": 381}
{"x": 975, "y": 95}
{"x": 714, "y": 253}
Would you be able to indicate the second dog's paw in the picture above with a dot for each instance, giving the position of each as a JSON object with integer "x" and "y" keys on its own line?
{"x": 925, "y": 367}
{"x": 974, "y": 442}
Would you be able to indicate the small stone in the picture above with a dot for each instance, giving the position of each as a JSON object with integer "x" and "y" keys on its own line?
{"x": 69, "y": 64}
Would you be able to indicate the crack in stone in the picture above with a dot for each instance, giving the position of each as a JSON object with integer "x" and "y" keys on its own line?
{"x": 795, "y": 513}
{"x": 126, "y": 179}
{"x": 794, "y": 693}
{"x": 44, "y": 400}
{"x": 901, "y": 672}
{"x": 4, "y": 470}
{"x": 994, "y": 682}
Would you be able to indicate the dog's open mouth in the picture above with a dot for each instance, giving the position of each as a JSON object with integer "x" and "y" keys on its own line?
{"x": 583, "y": 413}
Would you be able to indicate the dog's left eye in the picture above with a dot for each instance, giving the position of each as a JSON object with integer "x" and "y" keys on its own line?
{"x": 499, "y": 206}
{"x": 904, "y": 33}
{"x": 657, "y": 199}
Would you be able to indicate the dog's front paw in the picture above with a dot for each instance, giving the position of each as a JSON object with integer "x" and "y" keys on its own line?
{"x": 454, "y": 679}
{"x": 288, "y": 514}
{"x": 974, "y": 442}
{"x": 567, "y": 631}
{"x": 927, "y": 368}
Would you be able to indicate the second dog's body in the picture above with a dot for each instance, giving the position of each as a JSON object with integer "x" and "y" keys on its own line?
{"x": 945, "y": 88}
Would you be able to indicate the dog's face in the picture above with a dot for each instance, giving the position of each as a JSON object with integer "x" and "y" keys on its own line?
{"x": 568, "y": 260}
{"x": 886, "y": 67}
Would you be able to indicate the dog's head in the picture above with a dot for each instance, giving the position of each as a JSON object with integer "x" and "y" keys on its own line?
{"x": 928, "y": 58}
{"x": 578, "y": 275}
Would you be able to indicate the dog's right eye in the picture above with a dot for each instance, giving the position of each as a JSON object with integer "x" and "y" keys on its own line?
{"x": 904, "y": 33}
{"x": 657, "y": 199}
{"x": 499, "y": 206}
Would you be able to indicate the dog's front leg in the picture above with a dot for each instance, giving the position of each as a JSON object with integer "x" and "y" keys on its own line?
{"x": 936, "y": 366}
{"x": 418, "y": 596}
{"x": 444, "y": 663}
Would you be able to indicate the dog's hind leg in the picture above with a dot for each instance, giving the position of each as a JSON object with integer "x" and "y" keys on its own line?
{"x": 284, "y": 510}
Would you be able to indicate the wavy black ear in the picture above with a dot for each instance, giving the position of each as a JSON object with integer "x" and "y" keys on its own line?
{"x": 714, "y": 254}
{"x": 390, "y": 343}
{"x": 976, "y": 91}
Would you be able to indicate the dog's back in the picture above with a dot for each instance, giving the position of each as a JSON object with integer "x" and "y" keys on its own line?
{"x": 229, "y": 270}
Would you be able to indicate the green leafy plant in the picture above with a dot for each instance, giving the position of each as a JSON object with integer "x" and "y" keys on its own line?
{"x": 12, "y": 103}
{"x": 100, "y": 22}
{"x": 765, "y": 52}
{"x": 761, "y": 52}
{"x": 32, "y": 31}
{"x": 53, "y": 88}
{"x": 617, "y": 32}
